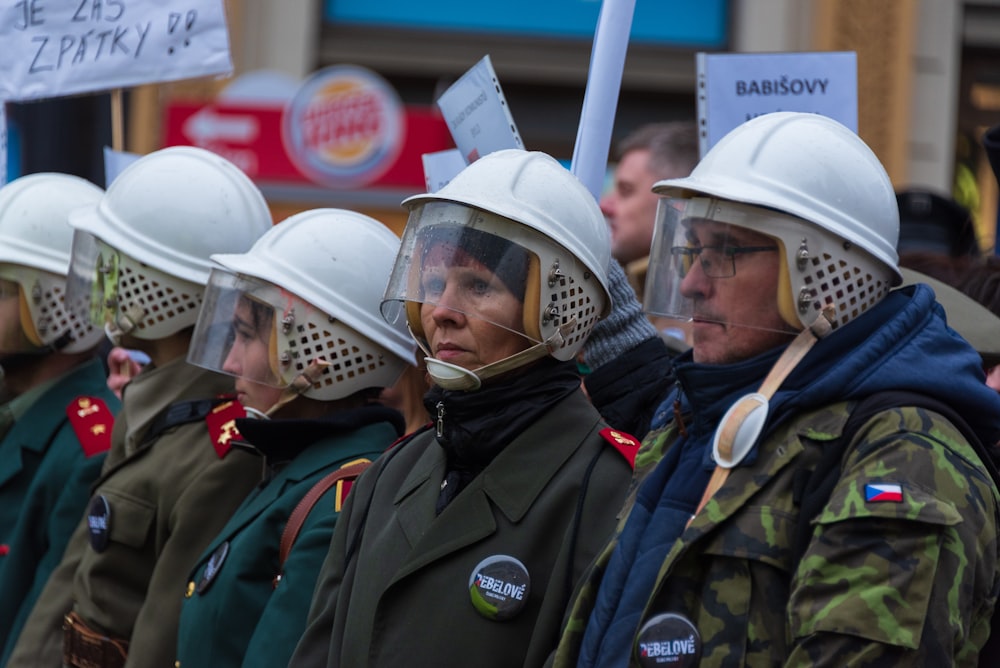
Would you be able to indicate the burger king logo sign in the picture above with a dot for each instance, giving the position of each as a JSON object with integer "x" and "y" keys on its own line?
{"x": 344, "y": 127}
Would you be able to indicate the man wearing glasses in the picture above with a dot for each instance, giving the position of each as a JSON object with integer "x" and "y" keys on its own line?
{"x": 780, "y": 250}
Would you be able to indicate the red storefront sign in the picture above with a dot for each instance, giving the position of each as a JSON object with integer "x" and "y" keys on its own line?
{"x": 250, "y": 136}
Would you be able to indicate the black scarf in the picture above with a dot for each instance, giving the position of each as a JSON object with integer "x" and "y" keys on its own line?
{"x": 476, "y": 426}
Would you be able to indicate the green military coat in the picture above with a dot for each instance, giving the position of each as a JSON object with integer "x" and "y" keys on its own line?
{"x": 233, "y": 615}
{"x": 850, "y": 600}
{"x": 548, "y": 500}
{"x": 45, "y": 478}
{"x": 167, "y": 498}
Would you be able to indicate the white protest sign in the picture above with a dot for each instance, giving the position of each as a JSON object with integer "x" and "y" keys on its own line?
{"x": 3, "y": 143}
{"x": 53, "y": 48}
{"x": 115, "y": 162}
{"x": 441, "y": 167}
{"x": 735, "y": 87}
{"x": 477, "y": 113}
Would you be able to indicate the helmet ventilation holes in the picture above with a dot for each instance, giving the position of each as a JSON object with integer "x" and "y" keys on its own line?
{"x": 851, "y": 289}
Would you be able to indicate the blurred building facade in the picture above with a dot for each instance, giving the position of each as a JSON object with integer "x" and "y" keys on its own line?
{"x": 928, "y": 72}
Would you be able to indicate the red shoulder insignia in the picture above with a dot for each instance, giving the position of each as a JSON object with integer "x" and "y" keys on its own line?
{"x": 221, "y": 423}
{"x": 92, "y": 421}
{"x": 345, "y": 482}
{"x": 626, "y": 444}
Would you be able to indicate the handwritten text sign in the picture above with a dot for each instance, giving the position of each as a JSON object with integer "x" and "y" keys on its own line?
{"x": 53, "y": 48}
{"x": 477, "y": 114}
{"x": 735, "y": 87}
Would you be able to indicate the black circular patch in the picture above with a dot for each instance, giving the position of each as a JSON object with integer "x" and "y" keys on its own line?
{"x": 213, "y": 567}
{"x": 99, "y": 523}
{"x": 668, "y": 639}
{"x": 499, "y": 587}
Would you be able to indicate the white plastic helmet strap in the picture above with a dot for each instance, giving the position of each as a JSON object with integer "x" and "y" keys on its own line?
{"x": 739, "y": 428}
{"x": 127, "y": 321}
{"x": 453, "y": 377}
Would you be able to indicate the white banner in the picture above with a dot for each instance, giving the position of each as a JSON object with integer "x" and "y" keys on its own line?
{"x": 53, "y": 48}
{"x": 735, "y": 87}
{"x": 477, "y": 114}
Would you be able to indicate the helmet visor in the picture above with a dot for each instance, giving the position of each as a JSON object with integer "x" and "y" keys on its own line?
{"x": 465, "y": 260}
{"x": 92, "y": 282}
{"x": 711, "y": 262}
{"x": 237, "y": 329}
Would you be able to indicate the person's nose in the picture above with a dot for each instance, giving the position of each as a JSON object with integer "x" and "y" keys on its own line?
{"x": 233, "y": 362}
{"x": 608, "y": 204}
{"x": 696, "y": 284}
{"x": 448, "y": 307}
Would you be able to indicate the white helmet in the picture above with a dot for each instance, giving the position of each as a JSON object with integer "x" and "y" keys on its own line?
{"x": 310, "y": 288}
{"x": 534, "y": 225}
{"x": 141, "y": 256}
{"x": 35, "y": 245}
{"x": 813, "y": 186}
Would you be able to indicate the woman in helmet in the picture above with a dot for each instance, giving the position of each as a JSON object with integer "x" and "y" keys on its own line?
{"x": 461, "y": 545}
{"x": 56, "y": 419}
{"x": 295, "y": 320}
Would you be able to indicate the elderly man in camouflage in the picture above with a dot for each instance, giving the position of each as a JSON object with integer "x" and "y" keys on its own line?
{"x": 780, "y": 246}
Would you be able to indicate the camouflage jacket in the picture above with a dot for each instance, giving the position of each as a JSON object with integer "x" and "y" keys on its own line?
{"x": 907, "y": 583}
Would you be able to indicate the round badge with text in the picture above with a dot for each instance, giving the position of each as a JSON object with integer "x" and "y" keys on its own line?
{"x": 668, "y": 639}
{"x": 499, "y": 587}
{"x": 99, "y": 523}
{"x": 213, "y": 566}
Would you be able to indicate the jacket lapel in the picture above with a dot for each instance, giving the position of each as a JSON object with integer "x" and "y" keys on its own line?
{"x": 510, "y": 485}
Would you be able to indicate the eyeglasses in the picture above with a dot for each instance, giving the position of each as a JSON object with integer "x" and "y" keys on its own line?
{"x": 716, "y": 261}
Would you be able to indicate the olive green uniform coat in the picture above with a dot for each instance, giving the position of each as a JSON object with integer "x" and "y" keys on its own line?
{"x": 168, "y": 499}
{"x": 403, "y": 598}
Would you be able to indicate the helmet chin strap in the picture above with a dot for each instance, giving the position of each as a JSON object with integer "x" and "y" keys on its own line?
{"x": 299, "y": 385}
{"x": 453, "y": 377}
{"x": 128, "y": 319}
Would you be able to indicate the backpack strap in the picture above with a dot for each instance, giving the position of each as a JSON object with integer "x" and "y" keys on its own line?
{"x": 349, "y": 472}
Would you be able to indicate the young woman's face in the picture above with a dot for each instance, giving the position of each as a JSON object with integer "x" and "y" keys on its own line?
{"x": 248, "y": 357}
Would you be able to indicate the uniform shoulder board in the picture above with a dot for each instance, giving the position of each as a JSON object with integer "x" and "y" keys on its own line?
{"x": 221, "y": 423}
{"x": 626, "y": 444}
{"x": 92, "y": 421}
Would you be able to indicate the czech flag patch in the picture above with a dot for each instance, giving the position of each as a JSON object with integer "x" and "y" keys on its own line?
{"x": 884, "y": 492}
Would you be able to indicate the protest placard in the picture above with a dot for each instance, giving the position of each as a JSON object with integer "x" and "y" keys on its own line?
{"x": 735, "y": 87}
{"x": 53, "y": 48}
{"x": 476, "y": 111}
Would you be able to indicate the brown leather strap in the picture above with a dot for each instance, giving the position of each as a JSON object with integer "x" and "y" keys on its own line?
{"x": 302, "y": 510}
{"x": 83, "y": 647}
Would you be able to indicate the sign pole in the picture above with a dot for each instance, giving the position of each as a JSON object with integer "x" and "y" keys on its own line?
{"x": 117, "y": 132}
{"x": 600, "y": 100}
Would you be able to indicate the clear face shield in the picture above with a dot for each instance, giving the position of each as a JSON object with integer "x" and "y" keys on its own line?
{"x": 92, "y": 284}
{"x": 710, "y": 262}
{"x": 239, "y": 330}
{"x": 459, "y": 264}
